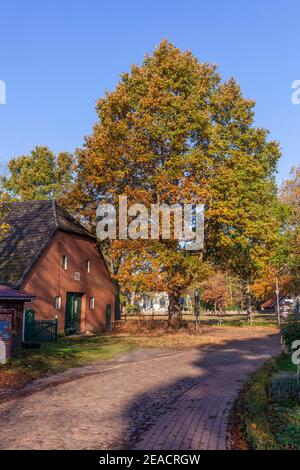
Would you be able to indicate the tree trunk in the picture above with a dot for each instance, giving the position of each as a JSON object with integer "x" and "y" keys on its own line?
{"x": 231, "y": 292}
{"x": 174, "y": 306}
{"x": 117, "y": 301}
{"x": 114, "y": 270}
{"x": 132, "y": 299}
{"x": 249, "y": 302}
{"x": 249, "y": 299}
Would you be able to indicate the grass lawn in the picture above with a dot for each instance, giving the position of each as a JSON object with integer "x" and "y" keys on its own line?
{"x": 68, "y": 352}
{"x": 259, "y": 424}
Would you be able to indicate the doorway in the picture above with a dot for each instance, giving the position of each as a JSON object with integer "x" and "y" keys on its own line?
{"x": 73, "y": 312}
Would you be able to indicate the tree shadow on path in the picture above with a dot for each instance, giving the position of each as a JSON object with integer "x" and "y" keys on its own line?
{"x": 191, "y": 413}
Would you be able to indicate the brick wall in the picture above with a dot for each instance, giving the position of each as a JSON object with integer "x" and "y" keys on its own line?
{"x": 48, "y": 279}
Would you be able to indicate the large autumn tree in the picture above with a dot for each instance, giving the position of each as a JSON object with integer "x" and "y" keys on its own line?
{"x": 290, "y": 250}
{"x": 284, "y": 261}
{"x": 172, "y": 132}
{"x": 222, "y": 291}
{"x": 39, "y": 175}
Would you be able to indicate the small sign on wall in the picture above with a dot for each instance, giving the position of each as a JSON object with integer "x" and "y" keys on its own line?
{"x": 3, "y": 357}
{"x": 5, "y": 339}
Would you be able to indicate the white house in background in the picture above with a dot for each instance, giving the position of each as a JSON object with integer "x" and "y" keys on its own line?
{"x": 154, "y": 302}
{"x": 157, "y": 303}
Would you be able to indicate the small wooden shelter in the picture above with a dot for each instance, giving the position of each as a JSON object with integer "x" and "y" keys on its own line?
{"x": 11, "y": 319}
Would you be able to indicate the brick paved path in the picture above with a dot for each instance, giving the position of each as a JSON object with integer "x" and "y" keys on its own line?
{"x": 147, "y": 400}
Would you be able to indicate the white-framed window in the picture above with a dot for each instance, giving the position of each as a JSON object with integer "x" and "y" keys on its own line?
{"x": 64, "y": 262}
{"x": 77, "y": 276}
{"x": 57, "y": 303}
{"x": 92, "y": 303}
{"x": 88, "y": 266}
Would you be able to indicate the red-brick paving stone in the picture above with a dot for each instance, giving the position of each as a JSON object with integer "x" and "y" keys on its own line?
{"x": 148, "y": 400}
{"x": 198, "y": 418}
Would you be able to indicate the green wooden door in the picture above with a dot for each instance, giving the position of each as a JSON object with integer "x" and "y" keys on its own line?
{"x": 73, "y": 312}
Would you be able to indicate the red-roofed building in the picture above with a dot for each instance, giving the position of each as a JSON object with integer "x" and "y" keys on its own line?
{"x": 10, "y": 294}
{"x": 285, "y": 304}
{"x": 12, "y": 303}
{"x": 271, "y": 304}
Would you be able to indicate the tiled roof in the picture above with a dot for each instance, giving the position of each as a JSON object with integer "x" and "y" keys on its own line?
{"x": 32, "y": 226}
{"x": 272, "y": 301}
{"x": 7, "y": 293}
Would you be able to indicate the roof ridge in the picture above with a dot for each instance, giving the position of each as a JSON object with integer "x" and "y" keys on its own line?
{"x": 54, "y": 206}
{"x": 32, "y": 226}
{"x": 69, "y": 223}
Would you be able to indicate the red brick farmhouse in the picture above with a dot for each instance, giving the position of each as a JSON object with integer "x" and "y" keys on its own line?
{"x": 54, "y": 258}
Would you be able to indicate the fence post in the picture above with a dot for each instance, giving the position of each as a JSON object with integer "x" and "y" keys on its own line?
{"x": 196, "y": 306}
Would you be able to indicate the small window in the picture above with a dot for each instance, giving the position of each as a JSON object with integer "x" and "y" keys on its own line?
{"x": 88, "y": 266}
{"x": 57, "y": 303}
{"x": 77, "y": 276}
{"x": 92, "y": 303}
{"x": 64, "y": 262}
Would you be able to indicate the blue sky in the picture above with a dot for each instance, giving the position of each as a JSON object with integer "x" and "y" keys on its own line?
{"x": 58, "y": 57}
